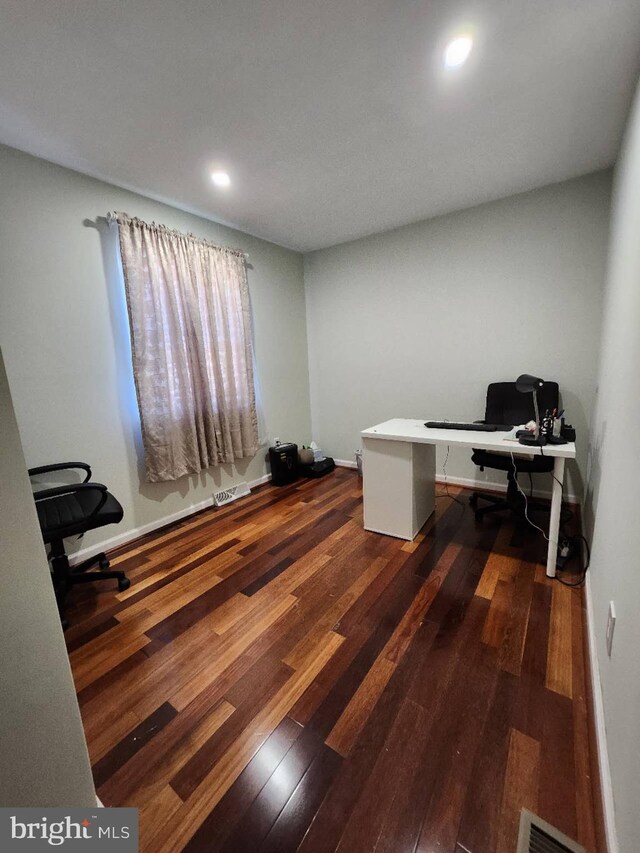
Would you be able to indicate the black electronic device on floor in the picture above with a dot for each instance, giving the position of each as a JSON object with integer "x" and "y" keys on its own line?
{"x": 317, "y": 469}
{"x": 283, "y": 459}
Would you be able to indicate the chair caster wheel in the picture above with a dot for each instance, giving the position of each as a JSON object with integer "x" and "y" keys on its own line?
{"x": 123, "y": 583}
{"x": 473, "y": 500}
{"x": 104, "y": 564}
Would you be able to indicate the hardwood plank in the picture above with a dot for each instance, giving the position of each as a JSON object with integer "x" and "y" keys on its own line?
{"x": 192, "y": 561}
{"x": 458, "y": 734}
{"x": 149, "y": 770}
{"x": 163, "y": 807}
{"x": 286, "y": 583}
{"x": 331, "y": 617}
{"x": 498, "y": 615}
{"x": 175, "y": 673}
{"x": 132, "y": 743}
{"x": 557, "y": 790}
{"x": 348, "y": 727}
{"x": 380, "y": 811}
{"x": 559, "y": 674}
{"x": 292, "y": 822}
{"x": 76, "y": 639}
{"x": 481, "y": 811}
{"x": 102, "y": 686}
{"x": 246, "y": 572}
{"x": 350, "y": 723}
{"x": 101, "y": 744}
{"x": 376, "y": 575}
{"x": 228, "y": 652}
{"x": 512, "y": 646}
{"x": 362, "y": 655}
{"x": 528, "y": 714}
{"x": 499, "y": 565}
{"x": 433, "y": 677}
{"x": 258, "y": 820}
{"x": 171, "y": 599}
{"x": 586, "y": 806}
{"x": 520, "y": 788}
{"x": 264, "y": 579}
{"x": 101, "y": 654}
{"x": 355, "y": 772}
{"x": 214, "y": 786}
{"x": 218, "y": 825}
{"x": 437, "y": 687}
{"x": 175, "y": 759}
{"x": 446, "y": 529}
{"x": 264, "y": 681}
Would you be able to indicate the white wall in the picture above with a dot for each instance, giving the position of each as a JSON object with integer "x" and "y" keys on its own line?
{"x": 417, "y": 321}
{"x": 64, "y": 330}
{"x": 614, "y": 493}
{"x": 44, "y": 754}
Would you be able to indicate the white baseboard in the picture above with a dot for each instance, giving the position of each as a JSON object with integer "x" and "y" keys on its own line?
{"x": 601, "y": 731}
{"x": 471, "y": 483}
{"x": 345, "y": 463}
{"x": 137, "y": 532}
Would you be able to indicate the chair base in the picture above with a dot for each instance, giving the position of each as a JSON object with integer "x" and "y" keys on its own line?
{"x": 513, "y": 502}
{"x": 65, "y": 576}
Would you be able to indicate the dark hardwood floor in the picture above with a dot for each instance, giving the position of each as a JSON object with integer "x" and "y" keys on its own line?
{"x": 278, "y": 679}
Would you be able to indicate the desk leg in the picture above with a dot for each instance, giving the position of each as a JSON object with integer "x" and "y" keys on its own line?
{"x": 554, "y": 521}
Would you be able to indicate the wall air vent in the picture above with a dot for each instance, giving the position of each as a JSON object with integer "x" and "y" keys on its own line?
{"x": 538, "y": 836}
{"x": 226, "y": 496}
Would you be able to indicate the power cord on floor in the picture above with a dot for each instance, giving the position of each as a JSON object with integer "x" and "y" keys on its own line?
{"x": 446, "y": 484}
{"x": 573, "y": 540}
{"x": 569, "y": 543}
{"x": 526, "y": 502}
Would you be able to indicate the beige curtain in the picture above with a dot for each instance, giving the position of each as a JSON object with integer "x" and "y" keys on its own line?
{"x": 192, "y": 350}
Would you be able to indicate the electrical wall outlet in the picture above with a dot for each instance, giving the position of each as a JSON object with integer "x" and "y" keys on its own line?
{"x": 611, "y": 624}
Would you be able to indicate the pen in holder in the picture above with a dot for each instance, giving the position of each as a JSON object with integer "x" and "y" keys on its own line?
{"x": 558, "y": 423}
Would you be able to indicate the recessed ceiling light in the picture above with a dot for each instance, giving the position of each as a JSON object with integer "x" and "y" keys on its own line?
{"x": 457, "y": 51}
{"x": 221, "y": 179}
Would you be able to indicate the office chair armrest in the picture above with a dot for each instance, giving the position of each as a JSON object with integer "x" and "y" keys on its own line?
{"x": 65, "y": 490}
{"x": 62, "y": 466}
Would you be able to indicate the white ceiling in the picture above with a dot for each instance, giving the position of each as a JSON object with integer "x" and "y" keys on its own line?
{"x": 334, "y": 118}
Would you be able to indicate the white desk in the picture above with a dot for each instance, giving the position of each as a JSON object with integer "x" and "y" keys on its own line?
{"x": 399, "y": 466}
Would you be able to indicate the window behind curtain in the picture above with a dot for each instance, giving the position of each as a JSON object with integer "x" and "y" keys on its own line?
{"x": 192, "y": 350}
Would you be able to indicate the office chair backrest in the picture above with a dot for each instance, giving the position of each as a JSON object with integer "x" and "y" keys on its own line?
{"x": 506, "y": 405}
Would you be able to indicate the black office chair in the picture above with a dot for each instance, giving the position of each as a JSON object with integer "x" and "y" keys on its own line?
{"x": 506, "y": 405}
{"x": 69, "y": 510}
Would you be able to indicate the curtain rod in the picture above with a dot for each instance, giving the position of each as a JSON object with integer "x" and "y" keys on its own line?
{"x": 124, "y": 218}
